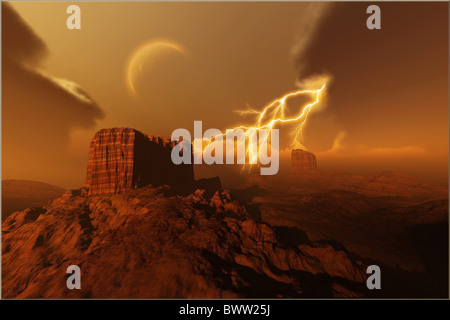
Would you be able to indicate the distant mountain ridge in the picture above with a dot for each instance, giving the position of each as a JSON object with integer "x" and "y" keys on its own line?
{"x": 21, "y": 194}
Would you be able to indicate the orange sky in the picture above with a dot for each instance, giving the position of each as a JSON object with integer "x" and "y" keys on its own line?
{"x": 386, "y": 107}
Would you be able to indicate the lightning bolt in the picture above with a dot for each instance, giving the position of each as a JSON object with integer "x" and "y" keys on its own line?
{"x": 275, "y": 113}
{"x": 277, "y": 110}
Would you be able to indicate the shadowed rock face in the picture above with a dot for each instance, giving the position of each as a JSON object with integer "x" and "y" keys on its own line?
{"x": 121, "y": 159}
{"x": 302, "y": 162}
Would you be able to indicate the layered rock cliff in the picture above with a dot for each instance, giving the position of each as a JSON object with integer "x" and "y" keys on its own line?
{"x": 121, "y": 159}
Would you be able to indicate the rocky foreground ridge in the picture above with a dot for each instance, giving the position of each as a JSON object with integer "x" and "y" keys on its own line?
{"x": 142, "y": 243}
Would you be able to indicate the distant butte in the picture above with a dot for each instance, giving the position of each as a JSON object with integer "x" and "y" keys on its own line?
{"x": 305, "y": 172}
{"x": 303, "y": 162}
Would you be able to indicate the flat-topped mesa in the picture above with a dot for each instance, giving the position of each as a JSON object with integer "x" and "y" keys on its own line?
{"x": 303, "y": 162}
{"x": 121, "y": 159}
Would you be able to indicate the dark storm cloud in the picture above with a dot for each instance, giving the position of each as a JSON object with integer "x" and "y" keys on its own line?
{"x": 381, "y": 78}
{"x": 38, "y": 110}
{"x": 59, "y": 99}
{"x": 388, "y": 97}
{"x": 19, "y": 42}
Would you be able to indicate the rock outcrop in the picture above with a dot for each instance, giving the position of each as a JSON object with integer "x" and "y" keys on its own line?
{"x": 121, "y": 159}
{"x": 303, "y": 162}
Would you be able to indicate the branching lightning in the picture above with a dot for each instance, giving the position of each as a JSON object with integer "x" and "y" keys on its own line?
{"x": 277, "y": 110}
{"x": 271, "y": 115}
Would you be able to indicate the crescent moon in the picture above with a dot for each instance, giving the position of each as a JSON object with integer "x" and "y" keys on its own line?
{"x": 143, "y": 53}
